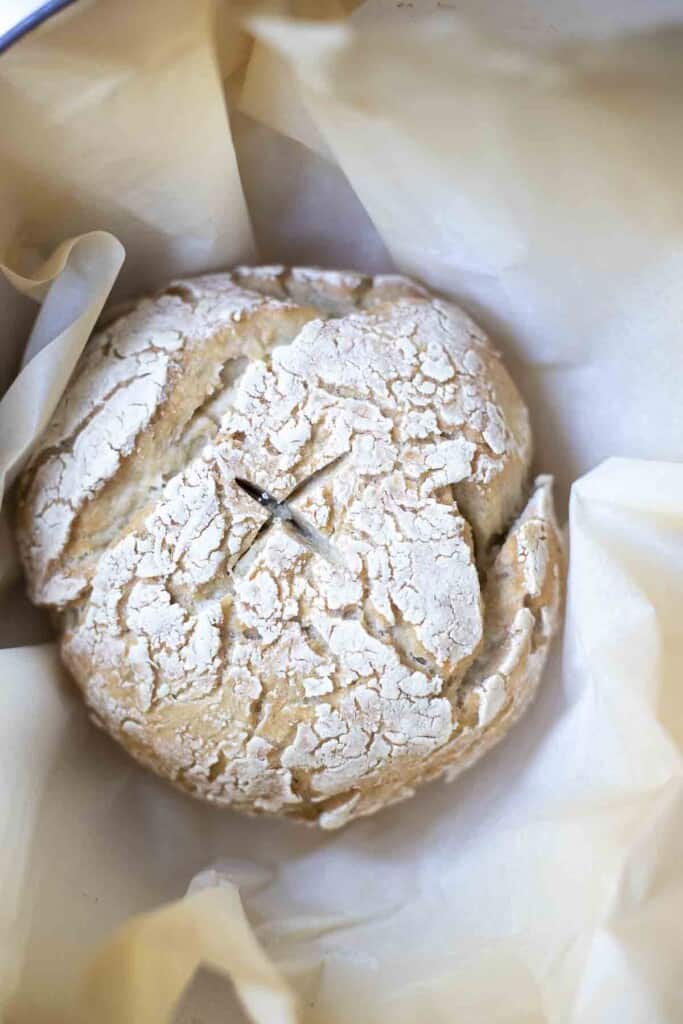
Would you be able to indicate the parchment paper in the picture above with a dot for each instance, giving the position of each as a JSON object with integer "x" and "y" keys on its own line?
{"x": 535, "y": 176}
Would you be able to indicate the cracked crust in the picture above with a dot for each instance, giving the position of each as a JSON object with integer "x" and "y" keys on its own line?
{"x": 217, "y": 648}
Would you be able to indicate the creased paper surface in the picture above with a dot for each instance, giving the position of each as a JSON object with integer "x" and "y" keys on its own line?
{"x": 207, "y": 927}
{"x": 542, "y": 187}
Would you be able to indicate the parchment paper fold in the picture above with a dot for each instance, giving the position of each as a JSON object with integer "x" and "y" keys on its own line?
{"x": 528, "y": 163}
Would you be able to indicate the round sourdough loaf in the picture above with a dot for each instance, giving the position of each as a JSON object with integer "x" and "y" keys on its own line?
{"x": 222, "y": 647}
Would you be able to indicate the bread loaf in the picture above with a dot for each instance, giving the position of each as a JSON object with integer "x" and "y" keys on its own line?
{"x": 380, "y": 620}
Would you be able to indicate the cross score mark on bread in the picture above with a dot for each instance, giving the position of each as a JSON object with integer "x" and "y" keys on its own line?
{"x": 283, "y": 511}
{"x": 321, "y": 679}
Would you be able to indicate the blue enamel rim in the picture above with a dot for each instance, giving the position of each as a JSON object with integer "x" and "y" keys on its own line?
{"x": 32, "y": 21}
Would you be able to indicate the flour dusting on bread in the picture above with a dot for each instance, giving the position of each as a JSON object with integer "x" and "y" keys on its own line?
{"x": 220, "y": 649}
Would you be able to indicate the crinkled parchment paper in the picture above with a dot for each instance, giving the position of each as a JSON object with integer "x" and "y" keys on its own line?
{"x": 527, "y": 161}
